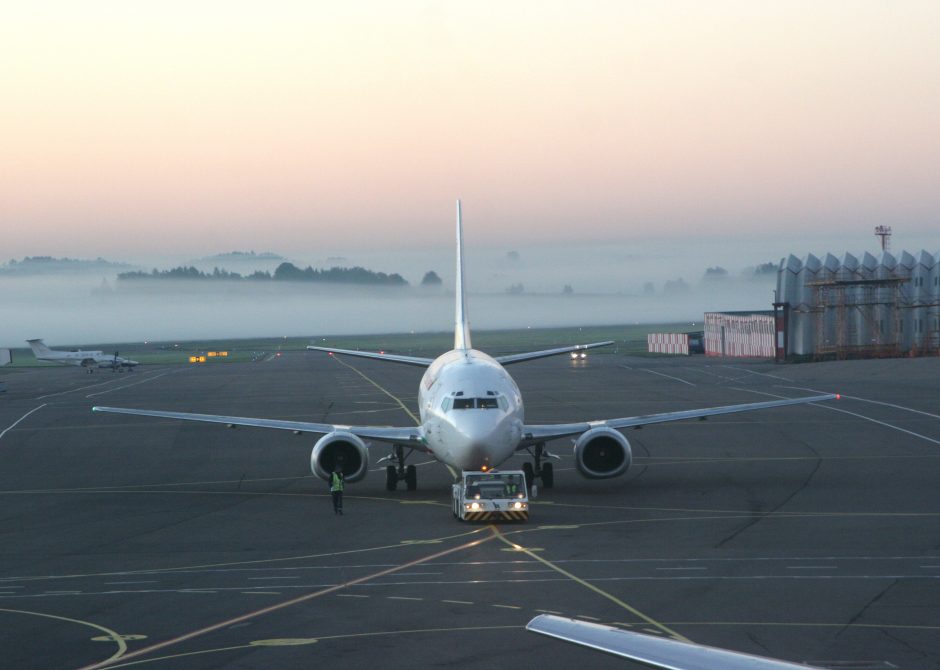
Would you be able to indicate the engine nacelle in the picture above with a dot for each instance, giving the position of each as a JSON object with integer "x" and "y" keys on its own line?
{"x": 343, "y": 449}
{"x": 602, "y": 453}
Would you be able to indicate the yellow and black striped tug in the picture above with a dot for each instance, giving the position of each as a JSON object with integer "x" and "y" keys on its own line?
{"x": 506, "y": 515}
{"x": 491, "y": 495}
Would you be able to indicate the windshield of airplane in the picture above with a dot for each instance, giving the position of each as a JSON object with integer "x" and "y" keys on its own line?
{"x": 491, "y": 402}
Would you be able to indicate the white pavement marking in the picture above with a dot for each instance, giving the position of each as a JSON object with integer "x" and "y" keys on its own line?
{"x": 689, "y": 568}
{"x": 713, "y": 374}
{"x": 13, "y": 425}
{"x": 80, "y": 388}
{"x": 662, "y": 374}
{"x": 142, "y": 381}
{"x": 279, "y": 577}
{"x": 762, "y": 374}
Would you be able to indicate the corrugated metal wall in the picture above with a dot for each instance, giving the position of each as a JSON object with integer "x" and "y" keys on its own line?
{"x": 750, "y": 335}
{"x": 855, "y": 306}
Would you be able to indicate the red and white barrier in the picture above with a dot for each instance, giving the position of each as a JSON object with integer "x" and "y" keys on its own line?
{"x": 668, "y": 343}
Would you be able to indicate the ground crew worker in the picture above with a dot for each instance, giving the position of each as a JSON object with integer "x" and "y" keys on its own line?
{"x": 336, "y": 490}
{"x": 512, "y": 488}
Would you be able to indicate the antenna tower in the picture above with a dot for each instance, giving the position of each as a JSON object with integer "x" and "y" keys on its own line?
{"x": 884, "y": 232}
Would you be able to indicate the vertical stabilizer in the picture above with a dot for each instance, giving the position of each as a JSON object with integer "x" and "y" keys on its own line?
{"x": 462, "y": 320}
{"x": 39, "y": 348}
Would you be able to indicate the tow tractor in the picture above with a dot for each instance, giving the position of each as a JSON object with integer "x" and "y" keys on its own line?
{"x": 491, "y": 495}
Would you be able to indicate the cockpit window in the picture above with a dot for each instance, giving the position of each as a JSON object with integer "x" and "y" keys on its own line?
{"x": 498, "y": 402}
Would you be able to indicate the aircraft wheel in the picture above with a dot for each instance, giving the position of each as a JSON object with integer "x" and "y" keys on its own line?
{"x": 529, "y": 473}
{"x": 411, "y": 478}
{"x": 548, "y": 475}
{"x": 391, "y": 478}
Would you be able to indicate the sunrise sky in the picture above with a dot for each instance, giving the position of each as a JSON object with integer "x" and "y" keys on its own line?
{"x": 130, "y": 128}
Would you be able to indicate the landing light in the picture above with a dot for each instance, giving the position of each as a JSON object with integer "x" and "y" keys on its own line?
{"x": 838, "y": 396}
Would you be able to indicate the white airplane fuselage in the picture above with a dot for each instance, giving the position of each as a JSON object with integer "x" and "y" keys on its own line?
{"x": 471, "y": 410}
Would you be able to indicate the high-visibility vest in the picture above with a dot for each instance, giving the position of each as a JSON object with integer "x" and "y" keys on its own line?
{"x": 336, "y": 482}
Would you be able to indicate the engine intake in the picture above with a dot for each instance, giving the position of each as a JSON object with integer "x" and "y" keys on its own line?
{"x": 343, "y": 449}
{"x": 602, "y": 453}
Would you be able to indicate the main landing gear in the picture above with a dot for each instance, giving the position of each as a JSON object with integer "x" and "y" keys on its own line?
{"x": 400, "y": 472}
{"x": 545, "y": 471}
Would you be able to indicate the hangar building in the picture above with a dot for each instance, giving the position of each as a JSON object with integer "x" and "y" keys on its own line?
{"x": 858, "y": 308}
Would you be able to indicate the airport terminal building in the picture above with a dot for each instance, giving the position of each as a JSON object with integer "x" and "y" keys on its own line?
{"x": 858, "y": 308}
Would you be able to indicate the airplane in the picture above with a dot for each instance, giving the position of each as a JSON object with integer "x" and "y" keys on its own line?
{"x": 471, "y": 416}
{"x": 87, "y": 359}
{"x": 655, "y": 652}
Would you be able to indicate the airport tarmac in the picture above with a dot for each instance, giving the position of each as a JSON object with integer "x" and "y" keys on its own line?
{"x": 809, "y": 533}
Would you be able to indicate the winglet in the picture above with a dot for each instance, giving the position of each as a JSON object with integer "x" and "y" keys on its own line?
{"x": 462, "y": 320}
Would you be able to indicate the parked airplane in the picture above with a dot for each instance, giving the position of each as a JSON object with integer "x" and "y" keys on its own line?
{"x": 471, "y": 415}
{"x": 651, "y": 651}
{"x": 87, "y": 359}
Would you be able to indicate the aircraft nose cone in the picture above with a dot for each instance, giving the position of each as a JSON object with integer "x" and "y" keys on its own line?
{"x": 484, "y": 440}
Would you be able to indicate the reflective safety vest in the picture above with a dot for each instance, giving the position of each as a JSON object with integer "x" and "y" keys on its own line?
{"x": 336, "y": 482}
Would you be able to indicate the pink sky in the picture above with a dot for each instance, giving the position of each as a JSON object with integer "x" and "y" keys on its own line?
{"x": 180, "y": 127}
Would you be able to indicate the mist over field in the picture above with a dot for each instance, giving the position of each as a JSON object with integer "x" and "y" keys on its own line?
{"x": 608, "y": 285}
{"x": 578, "y": 284}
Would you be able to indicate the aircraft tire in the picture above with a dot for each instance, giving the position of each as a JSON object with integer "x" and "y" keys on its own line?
{"x": 391, "y": 478}
{"x": 548, "y": 475}
{"x": 411, "y": 478}
{"x": 529, "y": 473}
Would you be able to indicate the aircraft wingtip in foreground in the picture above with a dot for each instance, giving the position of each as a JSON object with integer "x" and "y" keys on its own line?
{"x": 471, "y": 415}
{"x": 656, "y": 652}
{"x": 86, "y": 359}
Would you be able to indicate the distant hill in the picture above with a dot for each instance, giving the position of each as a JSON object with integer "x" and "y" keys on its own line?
{"x": 48, "y": 265}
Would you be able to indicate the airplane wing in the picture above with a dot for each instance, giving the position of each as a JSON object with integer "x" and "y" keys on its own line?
{"x": 395, "y": 358}
{"x": 532, "y": 355}
{"x": 532, "y": 434}
{"x": 410, "y": 437}
{"x": 653, "y": 651}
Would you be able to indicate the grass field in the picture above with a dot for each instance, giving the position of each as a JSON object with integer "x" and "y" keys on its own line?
{"x": 628, "y": 339}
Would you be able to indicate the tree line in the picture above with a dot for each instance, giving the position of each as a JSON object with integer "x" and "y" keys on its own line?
{"x": 285, "y": 272}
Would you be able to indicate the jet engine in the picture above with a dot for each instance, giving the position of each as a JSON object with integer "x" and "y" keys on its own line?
{"x": 343, "y": 449}
{"x": 602, "y": 453}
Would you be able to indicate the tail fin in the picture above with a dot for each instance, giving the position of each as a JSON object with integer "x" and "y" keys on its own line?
{"x": 39, "y": 347}
{"x": 462, "y": 320}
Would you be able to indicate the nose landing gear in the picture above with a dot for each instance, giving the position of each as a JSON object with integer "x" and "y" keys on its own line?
{"x": 544, "y": 471}
{"x": 400, "y": 472}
